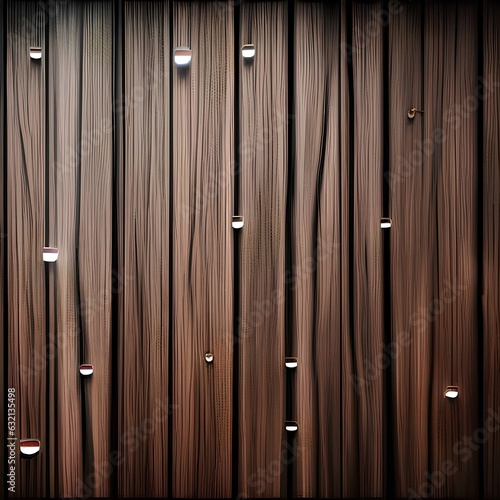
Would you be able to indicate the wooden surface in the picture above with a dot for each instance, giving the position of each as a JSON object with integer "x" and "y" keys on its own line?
{"x": 261, "y": 321}
{"x": 450, "y": 64}
{"x": 25, "y": 191}
{"x": 79, "y": 211}
{"x": 202, "y": 246}
{"x": 362, "y": 400}
{"x": 412, "y": 198}
{"x": 143, "y": 282}
{"x": 316, "y": 340}
{"x": 490, "y": 295}
{"x": 134, "y": 167}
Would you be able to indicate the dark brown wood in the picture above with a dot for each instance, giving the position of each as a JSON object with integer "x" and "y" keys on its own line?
{"x": 94, "y": 240}
{"x": 143, "y": 376}
{"x": 202, "y": 246}
{"x": 263, "y": 164}
{"x": 316, "y": 251}
{"x": 491, "y": 245}
{"x": 25, "y": 225}
{"x": 346, "y": 230}
{"x": 64, "y": 108}
{"x": 412, "y": 236}
{"x": 362, "y": 349}
{"x": 59, "y": 189}
{"x": 450, "y": 64}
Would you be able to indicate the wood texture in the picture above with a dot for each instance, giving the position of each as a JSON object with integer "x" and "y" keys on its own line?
{"x": 450, "y": 64}
{"x": 316, "y": 256}
{"x": 26, "y": 226}
{"x": 64, "y": 96}
{"x": 362, "y": 397}
{"x": 413, "y": 236}
{"x": 94, "y": 240}
{"x": 79, "y": 209}
{"x": 491, "y": 245}
{"x": 263, "y": 177}
{"x": 144, "y": 181}
{"x": 202, "y": 246}
{"x": 346, "y": 211}
{"x": 144, "y": 341}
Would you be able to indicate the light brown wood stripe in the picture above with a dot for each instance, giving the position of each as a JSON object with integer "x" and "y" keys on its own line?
{"x": 143, "y": 374}
{"x": 202, "y": 246}
{"x": 26, "y": 227}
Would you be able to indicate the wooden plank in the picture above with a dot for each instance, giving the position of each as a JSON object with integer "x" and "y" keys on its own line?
{"x": 203, "y": 152}
{"x": 26, "y": 226}
{"x": 143, "y": 377}
{"x": 345, "y": 231}
{"x": 64, "y": 108}
{"x": 3, "y": 240}
{"x": 94, "y": 241}
{"x": 412, "y": 237}
{"x": 450, "y": 69}
{"x": 316, "y": 251}
{"x": 491, "y": 244}
{"x": 263, "y": 174}
{"x": 362, "y": 402}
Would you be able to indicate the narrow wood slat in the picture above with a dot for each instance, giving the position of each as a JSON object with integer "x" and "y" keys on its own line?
{"x": 316, "y": 251}
{"x": 143, "y": 375}
{"x": 94, "y": 241}
{"x": 26, "y": 225}
{"x": 412, "y": 236}
{"x": 491, "y": 247}
{"x": 450, "y": 69}
{"x": 64, "y": 108}
{"x": 202, "y": 246}
{"x": 263, "y": 178}
{"x": 362, "y": 397}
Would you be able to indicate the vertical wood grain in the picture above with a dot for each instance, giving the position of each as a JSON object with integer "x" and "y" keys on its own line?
{"x": 345, "y": 156}
{"x": 64, "y": 108}
{"x": 94, "y": 239}
{"x": 316, "y": 243}
{"x": 118, "y": 259}
{"x": 412, "y": 236}
{"x": 26, "y": 225}
{"x": 450, "y": 69}
{"x": 203, "y": 144}
{"x": 60, "y": 156}
{"x": 143, "y": 413}
{"x": 362, "y": 403}
{"x": 3, "y": 236}
{"x": 491, "y": 246}
{"x": 263, "y": 163}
